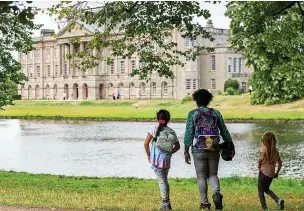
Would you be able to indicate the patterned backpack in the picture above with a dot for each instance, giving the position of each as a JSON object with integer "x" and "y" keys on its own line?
{"x": 206, "y": 131}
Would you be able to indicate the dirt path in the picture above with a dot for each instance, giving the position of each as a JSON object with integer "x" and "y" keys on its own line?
{"x": 14, "y": 208}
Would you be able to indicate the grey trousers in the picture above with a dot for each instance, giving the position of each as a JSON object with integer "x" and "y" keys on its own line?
{"x": 164, "y": 187}
{"x": 206, "y": 166}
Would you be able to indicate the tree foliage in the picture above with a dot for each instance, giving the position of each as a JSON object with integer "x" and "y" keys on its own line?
{"x": 270, "y": 35}
{"x": 231, "y": 83}
{"x": 16, "y": 25}
{"x": 127, "y": 28}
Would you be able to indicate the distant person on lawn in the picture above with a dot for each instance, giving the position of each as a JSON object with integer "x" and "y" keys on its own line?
{"x": 164, "y": 144}
{"x": 203, "y": 130}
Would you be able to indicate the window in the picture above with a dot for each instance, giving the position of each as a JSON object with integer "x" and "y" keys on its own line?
{"x": 76, "y": 48}
{"x": 23, "y": 70}
{"x": 56, "y": 69}
{"x": 194, "y": 84}
{"x": 188, "y": 66}
{"x": 48, "y": 53}
{"x": 165, "y": 88}
{"x": 240, "y": 64}
{"x": 112, "y": 67}
{"x": 188, "y": 83}
{"x": 234, "y": 65}
{"x": 142, "y": 89}
{"x": 213, "y": 85}
{"x": 244, "y": 86}
{"x": 37, "y": 54}
{"x": 48, "y": 67}
{"x": 65, "y": 70}
{"x": 31, "y": 55}
{"x": 38, "y": 71}
{"x": 23, "y": 56}
{"x": 56, "y": 52}
{"x": 122, "y": 67}
{"x": 153, "y": 88}
{"x": 212, "y": 63}
{"x": 187, "y": 42}
{"x": 133, "y": 65}
{"x": 220, "y": 41}
{"x": 30, "y": 69}
{"x": 229, "y": 65}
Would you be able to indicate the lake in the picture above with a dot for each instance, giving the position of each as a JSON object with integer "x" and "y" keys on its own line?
{"x": 107, "y": 149}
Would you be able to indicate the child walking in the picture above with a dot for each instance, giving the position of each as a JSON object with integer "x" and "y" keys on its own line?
{"x": 269, "y": 157}
{"x": 164, "y": 144}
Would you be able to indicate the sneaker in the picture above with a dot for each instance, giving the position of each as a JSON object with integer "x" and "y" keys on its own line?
{"x": 205, "y": 206}
{"x": 280, "y": 204}
{"x": 166, "y": 207}
{"x": 218, "y": 201}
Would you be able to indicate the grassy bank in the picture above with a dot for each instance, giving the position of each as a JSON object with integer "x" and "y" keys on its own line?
{"x": 234, "y": 108}
{"x": 135, "y": 194}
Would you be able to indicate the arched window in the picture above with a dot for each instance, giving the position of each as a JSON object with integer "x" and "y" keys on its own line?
{"x": 37, "y": 93}
{"x": 153, "y": 87}
{"x": 132, "y": 89}
{"x": 142, "y": 88}
{"x": 165, "y": 88}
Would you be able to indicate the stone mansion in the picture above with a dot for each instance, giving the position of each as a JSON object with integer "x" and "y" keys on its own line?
{"x": 52, "y": 76}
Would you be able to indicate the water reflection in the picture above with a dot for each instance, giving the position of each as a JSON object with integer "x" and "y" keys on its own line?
{"x": 116, "y": 148}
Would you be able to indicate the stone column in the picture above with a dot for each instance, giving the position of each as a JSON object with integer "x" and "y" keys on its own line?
{"x": 52, "y": 61}
{"x": 81, "y": 46}
{"x": 59, "y": 66}
{"x": 63, "y": 58}
{"x": 71, "y": 68}
{"x": 67, "y": 47}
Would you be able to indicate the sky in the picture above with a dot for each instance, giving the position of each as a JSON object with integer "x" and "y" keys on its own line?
{"x": 217, "y": 16}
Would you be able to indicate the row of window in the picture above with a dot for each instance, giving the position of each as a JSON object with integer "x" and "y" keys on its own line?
{"x": 212, "y": 61}
{"x": 142, "y": 88}
{"x": 234, "y": 65}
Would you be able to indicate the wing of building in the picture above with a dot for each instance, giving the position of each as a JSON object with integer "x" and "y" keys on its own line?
{"x": 52, "y": 76}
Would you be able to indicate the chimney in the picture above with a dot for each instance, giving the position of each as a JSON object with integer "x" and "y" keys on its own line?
{"x": 46, "y": 32}
{"x": 209, "y": 23}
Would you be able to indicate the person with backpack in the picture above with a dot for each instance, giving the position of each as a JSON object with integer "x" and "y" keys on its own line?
{"x": 203, "y": 130}
{"x": 164, "y": 144}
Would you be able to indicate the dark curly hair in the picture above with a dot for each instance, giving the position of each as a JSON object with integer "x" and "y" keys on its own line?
{"x": 202, "y": 97}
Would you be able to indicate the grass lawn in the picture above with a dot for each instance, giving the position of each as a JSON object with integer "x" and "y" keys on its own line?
{"x": 23, "y": 189}
{"x": 232, "y": 108}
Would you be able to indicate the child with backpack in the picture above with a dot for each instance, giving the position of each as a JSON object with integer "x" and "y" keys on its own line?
{"x": 269, "y": 157}
{"x": 164, "y": 144}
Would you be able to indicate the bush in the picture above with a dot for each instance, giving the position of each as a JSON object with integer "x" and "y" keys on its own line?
{"x": 231, "y": 91}
{"x": 219, "y": 92}
{"x": 225, "y": 94}
{"x": 231, "y": 83}
{"x": 187, "y": 99}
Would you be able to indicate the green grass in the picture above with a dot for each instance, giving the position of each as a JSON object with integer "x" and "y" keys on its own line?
{"x": 23, "y": 189}
{"x": 232, "y": 107}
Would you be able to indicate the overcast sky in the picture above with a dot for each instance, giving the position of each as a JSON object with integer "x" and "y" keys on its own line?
{"x": 217, "y": 15}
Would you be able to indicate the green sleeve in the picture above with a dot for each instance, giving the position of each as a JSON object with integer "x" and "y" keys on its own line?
{"x": 189, "y": 133}
{"x": 222, "y": 127}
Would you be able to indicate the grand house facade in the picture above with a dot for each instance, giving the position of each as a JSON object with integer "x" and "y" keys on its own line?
{"x": 52, "y": 76}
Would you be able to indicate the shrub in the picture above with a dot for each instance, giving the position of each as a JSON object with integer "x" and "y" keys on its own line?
{"x": 231, "y": 83}
{"x": 219, "y": 92}
{"x": 187, "y": 99}
{"x": 225, "y": 94}
{"x": 231, "y": 91}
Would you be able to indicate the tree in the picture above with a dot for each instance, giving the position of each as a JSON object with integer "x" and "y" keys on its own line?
{"x": 270, "y": 35}
{"x": 136, "y": 28}
{"x": 16, "y": 25}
